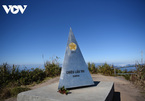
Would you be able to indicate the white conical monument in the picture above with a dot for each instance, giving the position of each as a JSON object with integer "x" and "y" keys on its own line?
{"x": 74, "y": 71}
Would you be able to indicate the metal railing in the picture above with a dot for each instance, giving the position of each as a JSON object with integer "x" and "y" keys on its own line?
{"x": 121, "y": 73}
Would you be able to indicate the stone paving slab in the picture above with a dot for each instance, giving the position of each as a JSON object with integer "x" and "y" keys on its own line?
{"x": 102, "y": 91}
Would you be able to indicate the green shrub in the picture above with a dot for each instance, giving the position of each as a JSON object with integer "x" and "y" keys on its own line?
{"x": 4, "y": 74}
{"x": 5, "y": 93}
{"x": 92, "y": 68}
{"x": 52, "y": 68}
{"x": 106, "y": 69}
{"x": 25, "y": 77}
{"x": 17, "y": 90}
{"x": 139, "y": 77}
{"x": 9, "y": 92}
{"x": 127, "y": 76}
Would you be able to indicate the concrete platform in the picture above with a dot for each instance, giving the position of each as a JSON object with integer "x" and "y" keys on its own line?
{"x": 102, "y": 91}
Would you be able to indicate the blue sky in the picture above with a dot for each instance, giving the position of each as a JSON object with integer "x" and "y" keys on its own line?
{"x": 111, "y": 31}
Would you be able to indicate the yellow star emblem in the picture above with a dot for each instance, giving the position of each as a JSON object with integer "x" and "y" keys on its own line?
{"x": 72, "y": 46}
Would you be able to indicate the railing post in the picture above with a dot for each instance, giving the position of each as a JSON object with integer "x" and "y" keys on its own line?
{"x": 114, "y": 71}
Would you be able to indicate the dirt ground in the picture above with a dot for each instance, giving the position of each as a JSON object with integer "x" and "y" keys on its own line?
{"x": 124, "y": 90}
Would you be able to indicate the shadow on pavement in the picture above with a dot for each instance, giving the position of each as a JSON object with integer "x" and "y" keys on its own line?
{"x": 116, "y": 96}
